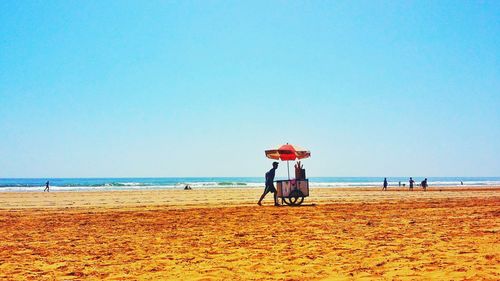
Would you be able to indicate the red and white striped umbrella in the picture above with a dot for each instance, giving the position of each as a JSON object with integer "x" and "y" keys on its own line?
{"x": 288, "y": 152}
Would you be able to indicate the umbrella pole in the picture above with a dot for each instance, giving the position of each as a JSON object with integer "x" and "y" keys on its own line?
{"x": 288, "y": 168}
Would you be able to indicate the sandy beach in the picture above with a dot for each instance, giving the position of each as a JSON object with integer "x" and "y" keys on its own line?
{"x": 221, "y": 234}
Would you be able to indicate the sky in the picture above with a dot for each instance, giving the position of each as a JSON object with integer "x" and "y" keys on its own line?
{"x": 202, "y": 88}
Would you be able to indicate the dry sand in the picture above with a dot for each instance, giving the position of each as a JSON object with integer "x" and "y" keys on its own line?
{"x": 222, "y": 234}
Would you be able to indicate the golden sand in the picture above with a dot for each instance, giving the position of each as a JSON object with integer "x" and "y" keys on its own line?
{"x": 221, "y": 234}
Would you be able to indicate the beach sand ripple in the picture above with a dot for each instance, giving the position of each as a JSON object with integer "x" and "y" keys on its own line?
{"x": 345, "y": 234}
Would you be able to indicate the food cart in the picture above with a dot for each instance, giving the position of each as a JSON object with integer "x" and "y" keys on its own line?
{"x": 292, "y": 191}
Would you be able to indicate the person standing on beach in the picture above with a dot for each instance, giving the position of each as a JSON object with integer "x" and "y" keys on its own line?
{"x": 270, "y": 185}
{"x": 46, "y": 187}
{"x": 385, "y": 184}
{"x": 424, "y": 184}
{"x": 411, "y": 184}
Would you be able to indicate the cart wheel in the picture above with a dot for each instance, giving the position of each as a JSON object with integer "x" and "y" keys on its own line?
{"x": 296, "y": 198}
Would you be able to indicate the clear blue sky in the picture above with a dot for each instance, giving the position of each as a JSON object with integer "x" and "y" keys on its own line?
{"x": 146, "y": 88}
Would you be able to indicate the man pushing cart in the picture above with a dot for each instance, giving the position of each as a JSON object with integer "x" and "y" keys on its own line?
{"x": 292, "y": 191}
{"x": 270, "y": 185}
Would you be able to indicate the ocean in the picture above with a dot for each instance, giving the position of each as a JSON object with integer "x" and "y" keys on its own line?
{"x": 86, "y": 184}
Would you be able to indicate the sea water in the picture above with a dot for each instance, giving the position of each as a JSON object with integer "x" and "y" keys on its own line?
{"x": 86, "y": 184}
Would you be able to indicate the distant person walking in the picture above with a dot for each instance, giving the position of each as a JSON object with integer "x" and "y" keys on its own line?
{"x": 385, "y": 184}
{"x": 424, "y": 184}
{"x": 47, "y": 185}
{"x": 399, "y": 184}
{"x": 270, "y": 185}
{"x": 411, "y": 184}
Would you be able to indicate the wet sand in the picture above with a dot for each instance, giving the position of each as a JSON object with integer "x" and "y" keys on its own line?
{"x": 222, "y": 234}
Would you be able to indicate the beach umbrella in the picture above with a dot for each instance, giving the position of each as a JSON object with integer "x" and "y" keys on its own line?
{"x": 288, "y": 152}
